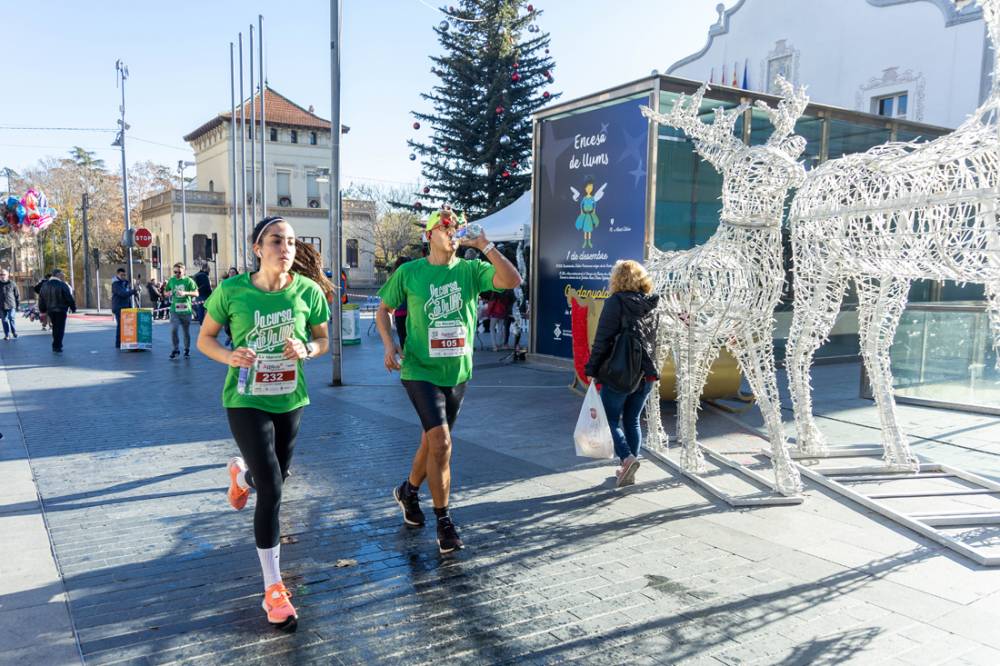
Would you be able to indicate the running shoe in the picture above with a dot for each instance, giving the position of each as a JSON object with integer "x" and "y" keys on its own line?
{"x": 237, "y": 496}
{"x": 629, "y": 467}
{"x": 187, "y": 353}
{"x": 174, "y": 354}
{"x": 410, "y": 504}
{"x": 280, "y": 612}
{"x": 448, "y": 540}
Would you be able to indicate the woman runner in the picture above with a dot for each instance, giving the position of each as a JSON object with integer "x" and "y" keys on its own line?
{"x": 278, "y": 320}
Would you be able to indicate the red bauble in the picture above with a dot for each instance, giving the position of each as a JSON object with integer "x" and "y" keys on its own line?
{"x": 513, "y": 165}
{"x": 427, "y": 190}
{"x": 416, "y": 125}
{"x": 548, "y": 74}
{"x": 505, "y": 174}
{"x": 418, "y": 205}
{"x": 531, "y": 8}
{"x": 499, "y": 109}
{"x": 545, "y": 94}
{"x": 515, "y": 77}
{"x": 546, "y": 51}
{"x": 516, "y": 65}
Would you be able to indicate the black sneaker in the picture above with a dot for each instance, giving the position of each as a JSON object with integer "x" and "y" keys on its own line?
{"x": 174, "y": 354}
{"x": 187, "y": 353}
{"x": 410, "y": 504}
{"x": 448, "y": 540}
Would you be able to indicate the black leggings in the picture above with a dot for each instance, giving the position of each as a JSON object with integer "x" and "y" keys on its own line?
{"x": 266, "y": 441}
{"x": 435, "y": 405}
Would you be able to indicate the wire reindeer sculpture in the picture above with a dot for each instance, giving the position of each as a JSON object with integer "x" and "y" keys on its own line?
{"x": 723, "y": 293}
{"x": 896, "y": 213}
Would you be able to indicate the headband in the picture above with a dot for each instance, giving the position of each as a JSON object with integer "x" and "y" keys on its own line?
{"x": 261, "y": 232}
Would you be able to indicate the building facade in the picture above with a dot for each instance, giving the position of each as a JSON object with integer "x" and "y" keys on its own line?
{"x": 927, "y": 61}
{"x": 297, "y": 162}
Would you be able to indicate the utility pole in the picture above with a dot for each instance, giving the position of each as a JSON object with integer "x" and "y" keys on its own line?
{"x": 253, "y": 138}
{"x": 336, "y": 349}
{"x": 232, "y": 156}
{"x": 85, "y": 208}
{"x": 122, "y": 70}
{"x": 69, "y": 256}
{"x": 243, "y": 163}
{"x": 263, "y": 116}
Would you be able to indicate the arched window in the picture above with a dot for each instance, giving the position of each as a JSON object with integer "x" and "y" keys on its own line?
{"x": 211, "y": 186}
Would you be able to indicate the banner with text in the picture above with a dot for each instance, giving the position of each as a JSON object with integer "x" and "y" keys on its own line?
{"x": 591, "y": 190}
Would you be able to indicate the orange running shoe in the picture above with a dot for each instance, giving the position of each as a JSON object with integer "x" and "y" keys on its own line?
{"x": 237, "y": 496}
{"x": 280, "y": 611}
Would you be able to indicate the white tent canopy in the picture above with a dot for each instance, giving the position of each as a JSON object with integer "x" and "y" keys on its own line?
{"x": 510, "y": 224}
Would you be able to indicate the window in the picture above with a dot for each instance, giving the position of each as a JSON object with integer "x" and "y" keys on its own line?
{"x": 312, "y": 138}
{"x": 284, "y": 190}
{"x": 295, "y": 136}
{"x": 211, "y": 186}
{"x": 198, "y": 247}
{"x": 893, "y": 106}
{"x": 312, "y": 190}
{"x": 274, "y": 134}
{"x": 352, "y": 252}
{"x": 315, "y": 241}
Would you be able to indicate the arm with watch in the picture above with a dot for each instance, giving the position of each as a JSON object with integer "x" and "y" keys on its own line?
{"x": 506, "y": 276}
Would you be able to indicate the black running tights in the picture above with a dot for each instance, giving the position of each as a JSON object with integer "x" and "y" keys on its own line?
{"x": 266, "y": 441}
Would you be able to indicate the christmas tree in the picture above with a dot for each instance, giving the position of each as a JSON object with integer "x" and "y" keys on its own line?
{"x": 495, "y": 64}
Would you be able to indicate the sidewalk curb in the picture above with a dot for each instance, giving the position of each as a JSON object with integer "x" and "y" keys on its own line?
{"x": 42, "y": 568}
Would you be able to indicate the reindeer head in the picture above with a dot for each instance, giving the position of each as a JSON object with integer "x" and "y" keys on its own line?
{"x": 784, "y": 116}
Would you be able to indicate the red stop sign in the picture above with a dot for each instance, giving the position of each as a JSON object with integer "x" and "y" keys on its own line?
{"x": 143, "y": 237}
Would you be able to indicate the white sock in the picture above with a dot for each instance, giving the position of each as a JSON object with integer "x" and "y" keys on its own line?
{"x": 270, "y": 565}
{"x": 241, "y": 480}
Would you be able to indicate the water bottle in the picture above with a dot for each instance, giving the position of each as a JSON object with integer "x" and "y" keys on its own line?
{"x": 470, "y": 232}
{"x": 243, "y": 385}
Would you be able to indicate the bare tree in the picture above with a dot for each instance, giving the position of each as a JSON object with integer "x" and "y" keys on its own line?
{"x": 395, "y": 229}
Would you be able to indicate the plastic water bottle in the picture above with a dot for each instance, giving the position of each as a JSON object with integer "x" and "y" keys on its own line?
{"x": 242, "y": 385}
{"x": 470, "y": 232}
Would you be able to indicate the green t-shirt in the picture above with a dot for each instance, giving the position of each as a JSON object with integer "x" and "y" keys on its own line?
{"x": 181, "y": 304}
{"x": 440, "y": 316}
{"x": 262, "y": 320}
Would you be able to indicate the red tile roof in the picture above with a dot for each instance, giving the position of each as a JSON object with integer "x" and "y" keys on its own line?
{"x": 281, "y": 112}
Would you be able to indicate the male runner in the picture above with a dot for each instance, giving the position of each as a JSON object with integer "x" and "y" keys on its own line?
{"x": 440, "y": 292}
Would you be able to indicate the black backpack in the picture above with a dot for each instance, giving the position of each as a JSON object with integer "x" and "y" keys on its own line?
{"x": 622, "y": 369}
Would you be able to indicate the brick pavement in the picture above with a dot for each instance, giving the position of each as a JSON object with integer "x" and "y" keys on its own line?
{"x": 127, "y": 451}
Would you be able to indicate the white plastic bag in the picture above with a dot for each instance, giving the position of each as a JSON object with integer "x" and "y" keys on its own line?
{"x": 593, "y": 435}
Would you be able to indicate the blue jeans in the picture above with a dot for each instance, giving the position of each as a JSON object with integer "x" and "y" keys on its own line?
{"x": 8, "y": 322}
{"x": 623, "y": 410}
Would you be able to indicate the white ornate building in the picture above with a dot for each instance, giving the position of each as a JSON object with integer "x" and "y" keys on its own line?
{"x": 298, "y": 150}
{"x": 924, "y": 60}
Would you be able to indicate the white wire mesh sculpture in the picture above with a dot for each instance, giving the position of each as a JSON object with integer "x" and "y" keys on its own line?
{"x": 897, "y": 213}
{"x": 723, "y": 293}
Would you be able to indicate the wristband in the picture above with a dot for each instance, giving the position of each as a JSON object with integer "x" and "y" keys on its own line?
{"x": 489, "y": 248}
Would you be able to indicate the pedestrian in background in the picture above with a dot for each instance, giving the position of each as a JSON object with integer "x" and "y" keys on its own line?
{"x": 204, "y": 291}
{"x": 181, "y": 289}
{"x": 399, "y": 314}
{"x": 10, "y": 301}
{"x": 55, "y": 299}
{"x": 122, "y": 295}
{"x": 630, "y": 312}
{"x": 42, "y": 317}
{"x": 154, "y": 294}
{"x": 497, "y": 312}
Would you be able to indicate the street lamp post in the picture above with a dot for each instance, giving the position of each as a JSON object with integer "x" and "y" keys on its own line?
{"x": 181, "y": 164}
{"x": 122, "y": 70}
{"x": 335, "y": 221}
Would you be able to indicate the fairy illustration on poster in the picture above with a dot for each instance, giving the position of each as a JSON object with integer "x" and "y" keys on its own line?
{"x": 587, "y": 220}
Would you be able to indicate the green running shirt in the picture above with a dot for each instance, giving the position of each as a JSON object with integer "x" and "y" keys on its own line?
{"x": 181, "y": 304}
{"x": 441, "y": 322}
{"x": 262, "y": 320}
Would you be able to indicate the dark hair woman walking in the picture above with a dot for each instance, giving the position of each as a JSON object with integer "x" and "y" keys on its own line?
{"x": 278, "y": 320}
{"x": 630, "y": 312}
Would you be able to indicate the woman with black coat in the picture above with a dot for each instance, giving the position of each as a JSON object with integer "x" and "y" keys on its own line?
{"x": 630, "y": 312}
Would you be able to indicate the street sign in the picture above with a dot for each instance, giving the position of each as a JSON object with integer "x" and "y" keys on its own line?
{"x": 143, "y": 237}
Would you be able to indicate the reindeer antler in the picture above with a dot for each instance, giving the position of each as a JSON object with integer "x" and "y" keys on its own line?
{"x": 714, "y": 141}
{"x": 788, "y": 111}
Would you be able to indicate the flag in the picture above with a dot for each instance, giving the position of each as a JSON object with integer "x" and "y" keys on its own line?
{"x": 736, "y": 74}
{"x": 722, "y": 80}
{"x": 746, "y": 74}
{"x": 711, "y": 76}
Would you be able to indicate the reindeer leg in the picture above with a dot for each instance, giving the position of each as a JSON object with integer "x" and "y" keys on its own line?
{"x": 880, "y": 305}
{"x": 754, "y": 351}
{"x": 656, "y": 436}
{"x": 693, "y": 360}
{"x": 817, "y": 303}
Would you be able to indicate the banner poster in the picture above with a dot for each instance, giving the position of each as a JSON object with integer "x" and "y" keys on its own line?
{"x": 591, "y": 190}
{"x": 137, "y": 328}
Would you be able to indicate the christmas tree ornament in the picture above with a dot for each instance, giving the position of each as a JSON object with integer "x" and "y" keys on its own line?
{"x": 413, "y": 157}
{"x": 531, "y": 8}
{"x": 505, "y": 174}
{"x": 499, "y": 110}
{"x": 427, "y": 190}
{"x": 517, "y": 65}
{"x": 416, "y": 125}
{"x": 443, "y": 25}
{"x": 505, "y": 140}
{"x": 515, "y": 77}
{"x": 418, "y": 205}
{"x": 513, "y": 165}
{"x": 546, "y": 94}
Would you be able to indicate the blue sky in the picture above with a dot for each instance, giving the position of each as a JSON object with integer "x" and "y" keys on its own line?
{"x": 178, "y": 57}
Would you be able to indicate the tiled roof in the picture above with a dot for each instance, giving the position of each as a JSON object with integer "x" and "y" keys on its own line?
{"x": 281, "y": 112}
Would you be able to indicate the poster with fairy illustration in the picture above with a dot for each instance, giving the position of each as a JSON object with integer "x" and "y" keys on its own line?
{"x": 591, "y": 192}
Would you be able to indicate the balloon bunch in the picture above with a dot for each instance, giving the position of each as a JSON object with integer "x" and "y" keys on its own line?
{"x": 29, "y": 213}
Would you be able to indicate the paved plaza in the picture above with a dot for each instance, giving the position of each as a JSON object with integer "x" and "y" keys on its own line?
{"x": 114, "y": 463}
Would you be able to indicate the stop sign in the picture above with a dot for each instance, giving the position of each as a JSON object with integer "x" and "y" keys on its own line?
{"x": 143, "y": 237}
